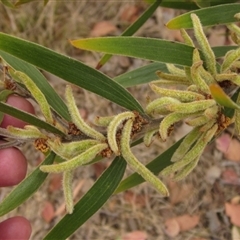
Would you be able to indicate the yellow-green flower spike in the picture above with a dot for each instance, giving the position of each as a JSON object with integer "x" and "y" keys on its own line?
{"x": 159, "y": 105}
{"x": 67, "y": 190}
{"x": 192, "y": 107}
{"x": 113, "y": 127}
{"x": 170, "y": 76}
{"x": 135, "y": 164}
{"x": 208, "y": 125}
{"x": 205, "y": 47}
{"x": 73, "y": 163}
{"x": 183, "y": 96}
{"x": 188, "y": 74}
{"x": 237, "y": 16}
{"x": 175, "y": 70}
{"x": 197, "y": 121}
{"x": 36, "y": 93}
{"x": 195, "y": 152}
{"x": 103, "y": 121}
{"x": 197, "y": 79}
{"x": 230, "y": 58}
{"x": 234, "y": 28}
{"x": 186, "y": 144}
{"x": 77, "y": 119}
{"x": 205, "y": 78}
{"x": 212, "y": 112}
{"x": 184, "y": 172}
{"x": 187, "y": 40}
{"x": 70, "y": 149}
{"x": 168, "y": 121}
{"x": 28, "y": 132}
{"x": 147, "y": 139}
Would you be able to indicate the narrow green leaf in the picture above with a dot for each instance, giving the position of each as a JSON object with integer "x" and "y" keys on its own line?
{"x": 133, "y": 28}
{"x": 155, "y": 166}
{"x": 70, "y": 70}
{"x": 209, "y": 16}
{"x": 26, "y": 188}
{"x": 222, "y": 50}
{"x": 147, "y": 73}
{"x": 145, "y": 48}
{"x": 52, "y": 97}
{"x": 91, "y": 202}
{"x": 141, "y": 75}
{"x": 28, "y": 118}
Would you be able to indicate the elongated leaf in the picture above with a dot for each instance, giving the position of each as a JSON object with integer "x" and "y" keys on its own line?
{"x": 91, "y": 202}
{"x": 52, "y": 97}
{"x": 69, "y": 69}
{"x": 209, "y": 16}
{"x": 133, "y": 28}
{"x": 141, "y": 75}
{"x": 147, "y": 74}
{"x": 145, "y": 48}
{"x": 26, "y": 188}
{"x": 29, "y": 118}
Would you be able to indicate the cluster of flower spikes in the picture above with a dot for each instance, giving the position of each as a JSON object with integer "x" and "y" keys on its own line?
{"x": 81, "y": 142}
{"x": 200, "y": 100}
{"x": 196, "y": 105}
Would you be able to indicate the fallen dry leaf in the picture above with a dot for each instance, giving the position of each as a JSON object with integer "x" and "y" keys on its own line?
{"x": 48, "y": 212}
{"x": 229, "y": 146}
{"x": 55, "y": 182}
{"x": 135, "y": 235}
{"x": 233, "y": 211}
{"x": 187, "y": 222}
{"x": 130, "y": 13}
{"x": 102, "y": 29}
{"x": 171, "y": 227}
{"x": 230, "y": 176}
{"x": 179, "y": 192}
{"x": 132, "y": 198}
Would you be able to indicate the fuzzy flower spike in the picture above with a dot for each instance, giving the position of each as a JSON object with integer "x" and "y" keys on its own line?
{"x": 199, "y": 101}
